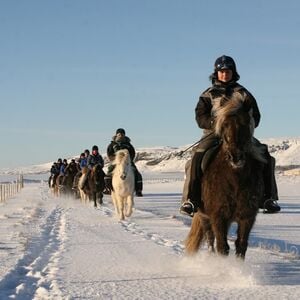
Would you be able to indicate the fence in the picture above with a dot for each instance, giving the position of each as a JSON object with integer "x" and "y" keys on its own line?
{"x": 8, "y": 190}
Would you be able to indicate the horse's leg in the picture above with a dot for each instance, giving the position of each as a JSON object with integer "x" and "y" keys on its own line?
{"x": 195, "y": 235}
{"x": 220, "y": 229}
{"x": 101, "y": 198}
{"x": 243, "y": 231}
{"x": 113, "y": 197}
{"x": 210, "y": 237}
{"x": 94, "y": 195}
{"x": 129, "y": 205}
{"x": 121, "y": 204}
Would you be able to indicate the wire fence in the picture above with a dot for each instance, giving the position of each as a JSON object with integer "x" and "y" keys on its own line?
{"x": 8, "y": 190}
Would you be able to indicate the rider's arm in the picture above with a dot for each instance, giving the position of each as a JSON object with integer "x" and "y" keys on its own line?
{"x": 110, "y": 152}
{"x": 203, "y": 112}
{"x": 255, "y": 112}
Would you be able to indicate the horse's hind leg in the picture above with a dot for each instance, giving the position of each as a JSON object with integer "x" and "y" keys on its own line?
{"x": 210, "y": 237}
{"x": 243, "y": 231}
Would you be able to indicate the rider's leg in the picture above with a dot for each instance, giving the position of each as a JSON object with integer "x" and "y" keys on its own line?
{"x": 108, "y": 177}
{"x": 138, "y": 181}
{"x": 191, "y": 198}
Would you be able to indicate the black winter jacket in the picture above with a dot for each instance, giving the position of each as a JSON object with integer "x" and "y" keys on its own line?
{"x": 95, "y": 160}
{"x": 116, "y": 145}
{"x": 213, "y": 96}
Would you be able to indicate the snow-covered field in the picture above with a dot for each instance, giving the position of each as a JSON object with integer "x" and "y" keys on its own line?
{"x": 57, "y": 248}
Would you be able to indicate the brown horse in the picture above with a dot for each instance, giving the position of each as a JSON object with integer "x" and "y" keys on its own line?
{"x": 66, "y": 183}
{"x": 232, "y": 185}
{"x": 94, "y": 184}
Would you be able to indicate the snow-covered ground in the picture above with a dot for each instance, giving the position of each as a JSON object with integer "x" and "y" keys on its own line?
{"x": 58, "y": 248}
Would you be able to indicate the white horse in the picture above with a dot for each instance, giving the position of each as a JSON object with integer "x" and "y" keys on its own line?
{"x": 84, "y": 197}
{"x": 123, "y": 184}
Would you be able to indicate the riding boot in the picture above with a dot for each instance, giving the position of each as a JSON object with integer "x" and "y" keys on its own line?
{"x": 138, "y": 181}
{"x": 269, "y": 203}
{"x": 191, "y": 199}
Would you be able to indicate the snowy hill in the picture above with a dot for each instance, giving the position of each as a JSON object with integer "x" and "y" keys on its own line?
{"x": 172, "y": 159}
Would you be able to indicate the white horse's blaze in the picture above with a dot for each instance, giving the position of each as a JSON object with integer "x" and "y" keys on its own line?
{"x": 123, "y": 185}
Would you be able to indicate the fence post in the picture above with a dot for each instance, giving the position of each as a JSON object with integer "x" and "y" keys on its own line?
{"x": 8, "y": 190}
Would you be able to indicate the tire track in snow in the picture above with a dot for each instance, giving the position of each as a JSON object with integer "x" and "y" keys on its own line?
{"x": 34, "y": 274}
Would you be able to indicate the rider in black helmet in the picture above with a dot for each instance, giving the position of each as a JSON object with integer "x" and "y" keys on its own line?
{"x": 224, "y": 86}
{"x": 121, "y": 141}
{"x": 93, "y": 159}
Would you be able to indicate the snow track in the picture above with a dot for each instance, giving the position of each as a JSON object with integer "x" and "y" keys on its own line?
{"x": 35, "y": 272}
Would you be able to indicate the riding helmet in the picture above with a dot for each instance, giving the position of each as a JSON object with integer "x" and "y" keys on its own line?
{"x": 225, "y": 62}
{"x": 120, "y": 130}
{"x": 95, "y": 148}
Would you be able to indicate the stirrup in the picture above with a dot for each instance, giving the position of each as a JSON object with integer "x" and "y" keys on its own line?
{"x": 271, "y": 206}
{"x": 187, "y": 209}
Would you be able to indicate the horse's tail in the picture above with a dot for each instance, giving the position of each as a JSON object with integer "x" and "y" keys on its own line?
{"x": 196, "y": 235}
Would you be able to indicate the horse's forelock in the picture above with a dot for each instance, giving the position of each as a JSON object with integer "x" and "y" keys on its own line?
{"x": 222, "y": 112}
{"x": 122, "y": 155}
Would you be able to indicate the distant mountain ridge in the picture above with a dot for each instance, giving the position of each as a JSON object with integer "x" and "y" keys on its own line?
{"x": 172, "y": 159}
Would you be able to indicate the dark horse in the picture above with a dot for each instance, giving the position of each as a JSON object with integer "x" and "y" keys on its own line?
{"x": 94, "y": 185}
{"x": 67, "y": 180}
{"x": 232, "y": 185}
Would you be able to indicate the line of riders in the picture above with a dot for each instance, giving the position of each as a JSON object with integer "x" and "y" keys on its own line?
{"x": 88, "y": 160}
{"x": 224, "y": 86}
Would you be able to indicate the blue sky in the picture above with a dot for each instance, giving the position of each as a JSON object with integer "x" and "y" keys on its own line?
{"x": 72, "y": 72}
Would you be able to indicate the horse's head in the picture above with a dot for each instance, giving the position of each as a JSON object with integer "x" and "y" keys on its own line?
{"x": 97, "y": 171}
{"x": 234, "y": 124}
{"x": 123, "y": 160}
{"x": 97, "y": 175}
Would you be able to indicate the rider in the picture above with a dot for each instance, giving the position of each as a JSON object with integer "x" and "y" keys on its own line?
{"x": 93, "y": 159}
{"x": 121, "y": 141}
{"x": 224, "y": 84}
{"x": 55, "y": 170}
{"x": 62, "y": 170}
{"x": 82, "y": 163}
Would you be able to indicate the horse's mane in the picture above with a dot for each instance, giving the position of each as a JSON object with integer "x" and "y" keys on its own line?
{"x": 120, "y": 155}
{"x": 230, "y": 107}
{"x": 234, "y": 106}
